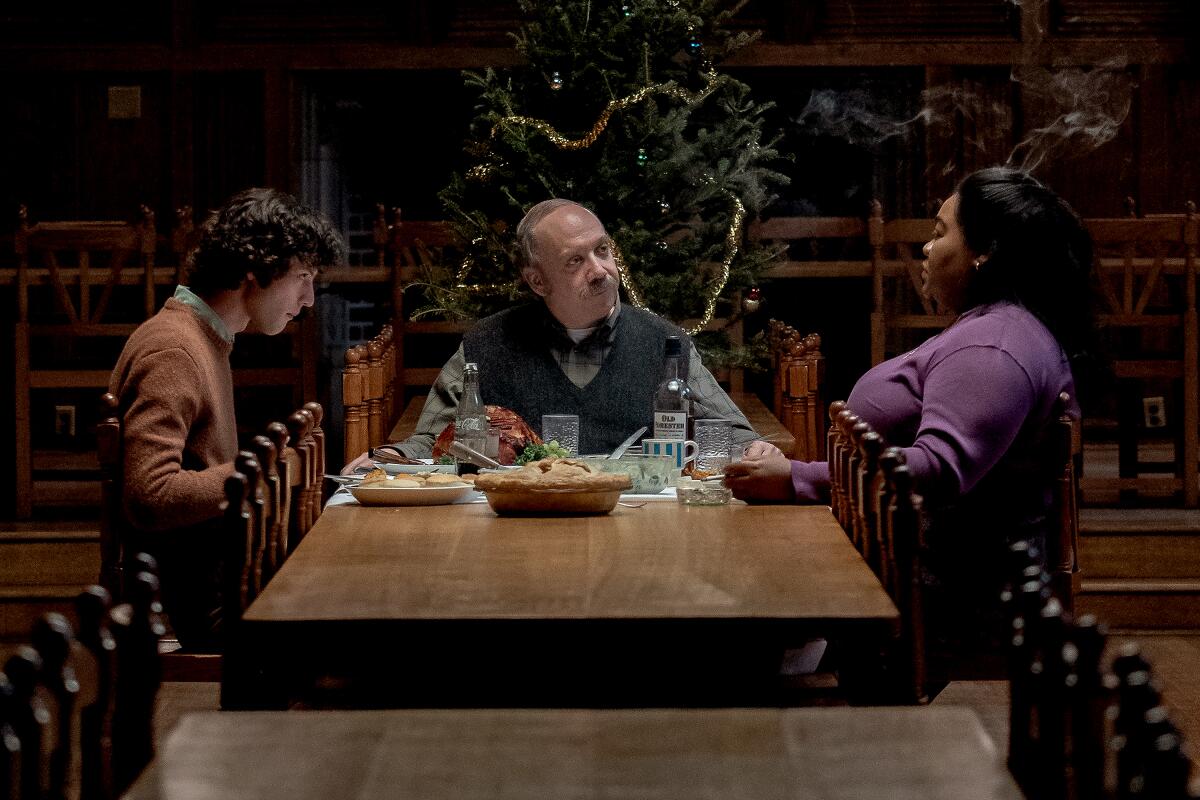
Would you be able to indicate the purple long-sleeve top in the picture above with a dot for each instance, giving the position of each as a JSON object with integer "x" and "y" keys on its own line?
{"x": 970, "y": 408}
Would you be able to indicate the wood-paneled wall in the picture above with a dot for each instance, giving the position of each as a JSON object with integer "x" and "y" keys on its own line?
{"x": 220, "y": 85}
{"x": 241, "y": 93}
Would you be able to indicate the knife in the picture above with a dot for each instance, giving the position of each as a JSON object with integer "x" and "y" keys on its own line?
{"x": 462, "y": 451}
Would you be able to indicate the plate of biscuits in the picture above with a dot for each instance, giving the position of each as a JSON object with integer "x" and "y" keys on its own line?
{"x": 378, "y": 488}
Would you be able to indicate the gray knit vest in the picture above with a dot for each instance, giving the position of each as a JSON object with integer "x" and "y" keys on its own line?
{"x": 518, "y": 371}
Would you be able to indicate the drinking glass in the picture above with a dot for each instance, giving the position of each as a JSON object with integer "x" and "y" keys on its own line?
{"x": 562, "y": 428}
{"x": 492, "y": 448}
{"x": 712, "y": 444}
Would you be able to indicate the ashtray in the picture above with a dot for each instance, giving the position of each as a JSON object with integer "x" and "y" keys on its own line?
{"x": 692, "y": 492}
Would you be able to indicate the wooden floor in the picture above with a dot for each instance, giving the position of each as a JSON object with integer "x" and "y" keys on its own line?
{"x": 1173, "y": 657}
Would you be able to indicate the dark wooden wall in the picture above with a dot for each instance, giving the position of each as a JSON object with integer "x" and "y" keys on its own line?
{"x": 221, "y": 84}
{"x": 233, "y": 91}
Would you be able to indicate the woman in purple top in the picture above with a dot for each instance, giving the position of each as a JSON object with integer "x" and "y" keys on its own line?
{"x": 971, "y": 406}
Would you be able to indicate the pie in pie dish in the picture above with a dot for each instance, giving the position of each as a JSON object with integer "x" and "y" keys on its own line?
{"x": 553, "y": 486}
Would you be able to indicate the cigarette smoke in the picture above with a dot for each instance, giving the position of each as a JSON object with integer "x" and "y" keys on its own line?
{"x": 852, "y": 116}
{"x": 1087, "y": 108}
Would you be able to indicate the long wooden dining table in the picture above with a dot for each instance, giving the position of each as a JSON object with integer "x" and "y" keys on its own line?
{"x": 930, "y": 753}
{"x": 453, "y": 605}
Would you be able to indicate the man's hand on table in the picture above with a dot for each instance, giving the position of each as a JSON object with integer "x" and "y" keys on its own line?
{"x": 362, "y": 461}
{"x": 764, "y": 474}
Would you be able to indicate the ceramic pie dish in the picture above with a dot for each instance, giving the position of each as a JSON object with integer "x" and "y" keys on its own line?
{"x": 552, "y": 486}
{"x": 550, "y": 502}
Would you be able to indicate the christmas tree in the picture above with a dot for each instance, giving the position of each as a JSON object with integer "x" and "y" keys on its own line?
{"x": 620, "y": 107}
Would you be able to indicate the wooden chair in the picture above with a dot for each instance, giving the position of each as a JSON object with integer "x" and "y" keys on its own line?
{"x": 270, "y": 553}
{"x": 10, "y": 744}
{"x": 803, "y": 383}
{"x": 833, "y": 444}
{"x": 77, "y": 713}
{"x": 93, "y": 608}
{"x": 815, "y": 247}
{"x": 789, "y": 349}
{"x": 903, "y": 522}
{"x": 874, "y": 500}
{"x": 1062, "y": 545}
{"x": 368, "y": 394}
{"x": 306, "y": 460}
{"x": 387, "y": 341}
{"x": 1147, "y": 276}
{"x": 238, "y": 535}
{"x": 284, "y": 498}
{"x": 780, "y": 337}
{"x": 70, "y": 287}
{"x": 899, "y": 306}
{"x": 418, "y": 247}
{"x": 112, "y": 515}
{"x": 355, "y": 428}
{"x": 30, "y": 721}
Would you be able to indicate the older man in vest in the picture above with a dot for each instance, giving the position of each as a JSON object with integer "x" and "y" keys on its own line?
{"x": 578, "y": 351}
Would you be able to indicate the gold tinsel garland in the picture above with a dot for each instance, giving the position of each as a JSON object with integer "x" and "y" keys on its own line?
{"x": 732, "y": 237}
{"x": 670, "y": 89}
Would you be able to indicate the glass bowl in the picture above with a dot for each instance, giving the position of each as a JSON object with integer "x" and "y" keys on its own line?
{"x": 649, "y": 474}
{"x": 702, "y": 493}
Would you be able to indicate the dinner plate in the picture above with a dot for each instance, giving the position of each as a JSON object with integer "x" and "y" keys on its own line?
{"x": 410, "y": 496}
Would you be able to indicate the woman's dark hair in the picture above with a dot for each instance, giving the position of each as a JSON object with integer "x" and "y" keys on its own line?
{"x": 1038, "y": 253}
{"x": 259, "y": 231}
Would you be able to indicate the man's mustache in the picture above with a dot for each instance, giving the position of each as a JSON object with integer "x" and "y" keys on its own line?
{"x": 601, "y": 284}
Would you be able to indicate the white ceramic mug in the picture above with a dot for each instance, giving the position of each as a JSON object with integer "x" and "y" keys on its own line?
{"x": 680, "y": 450}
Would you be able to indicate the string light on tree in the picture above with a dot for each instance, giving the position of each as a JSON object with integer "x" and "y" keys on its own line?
{"x": 642, "y": 158}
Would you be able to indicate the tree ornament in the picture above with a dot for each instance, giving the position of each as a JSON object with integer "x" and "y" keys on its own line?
{"x": 694, "y": 47}
{"x": 661, "y": 245}
{"x": 663, "y": 206}
{"x": 556, "y": 81}
{"x": 626, "y": 10}
{"x": 642, "y": 158}
{"x": 752, "y": 300}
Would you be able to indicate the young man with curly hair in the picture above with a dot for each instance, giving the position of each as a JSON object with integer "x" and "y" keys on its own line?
{"x": 252, "y": 270}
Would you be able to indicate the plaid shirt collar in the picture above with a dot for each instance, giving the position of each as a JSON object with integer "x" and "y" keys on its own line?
{"x": 602, "y": 337}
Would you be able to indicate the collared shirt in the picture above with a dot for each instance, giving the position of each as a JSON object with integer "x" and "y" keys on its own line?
{"x": 203, "y": 310}
{"x": 580, "y": 363}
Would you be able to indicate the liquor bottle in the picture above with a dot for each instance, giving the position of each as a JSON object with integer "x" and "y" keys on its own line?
{"x": 672, "y": 401}
{"x": 470, "y": 417}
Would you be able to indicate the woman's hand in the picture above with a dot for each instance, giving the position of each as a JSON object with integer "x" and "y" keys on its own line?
{"x": 760, "y": 449}
{"x": 764, "y": 474}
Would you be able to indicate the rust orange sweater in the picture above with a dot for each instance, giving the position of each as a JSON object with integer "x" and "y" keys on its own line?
{"x": 175, "y": 389}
